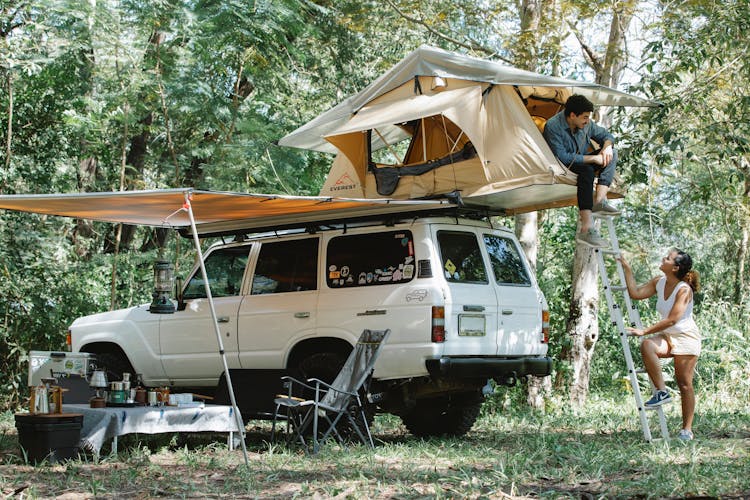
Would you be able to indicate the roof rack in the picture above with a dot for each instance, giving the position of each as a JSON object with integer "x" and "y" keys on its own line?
{"x": 389, "y": 219}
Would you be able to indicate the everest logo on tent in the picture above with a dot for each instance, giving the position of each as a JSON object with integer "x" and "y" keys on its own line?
{"x": 344, "y": 183}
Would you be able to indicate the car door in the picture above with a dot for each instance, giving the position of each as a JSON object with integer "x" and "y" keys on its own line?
{"x": 282, "y": 301}
{"x": 187, "y": 338}
{"x": 520, "y": 308}
{"x": 471, "y": 313}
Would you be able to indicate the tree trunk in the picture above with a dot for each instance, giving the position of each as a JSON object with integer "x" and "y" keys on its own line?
{"x": 528, "y": 235}
{"x": 84, "y": 227}
{"x": 583, "y": 323}
{"x": 583, "y": 318}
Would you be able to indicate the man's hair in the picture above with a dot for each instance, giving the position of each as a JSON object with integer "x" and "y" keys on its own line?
{"x": 578, "y": 104}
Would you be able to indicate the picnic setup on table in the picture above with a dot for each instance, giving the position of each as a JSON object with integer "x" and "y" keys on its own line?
{"x": 75, "y": 408}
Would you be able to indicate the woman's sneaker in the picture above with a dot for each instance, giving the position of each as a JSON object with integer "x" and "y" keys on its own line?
{"x": 659, "y": 398}
{"x": 685, "y": 435}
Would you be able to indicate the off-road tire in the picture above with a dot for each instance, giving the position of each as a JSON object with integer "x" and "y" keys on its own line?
{"x": 442, "y": 417}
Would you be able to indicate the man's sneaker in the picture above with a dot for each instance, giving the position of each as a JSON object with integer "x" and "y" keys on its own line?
{"x": 592, "y": 239}
{"x": 659, "y": 398}
{"x": 604, "y": 208}
{"x": 685, "y": 435}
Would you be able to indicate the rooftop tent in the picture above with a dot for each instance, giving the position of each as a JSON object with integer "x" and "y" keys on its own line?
{"x": 440, "y": 122}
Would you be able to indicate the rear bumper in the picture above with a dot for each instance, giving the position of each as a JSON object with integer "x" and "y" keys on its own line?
{"x": 489, "y": 367}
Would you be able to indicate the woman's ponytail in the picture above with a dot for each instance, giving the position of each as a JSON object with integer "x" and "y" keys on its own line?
{"x": 692, "y": 278}
{"x": 685, "y": 270}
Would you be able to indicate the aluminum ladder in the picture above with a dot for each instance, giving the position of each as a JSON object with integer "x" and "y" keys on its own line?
{"x": 634, "y": 321}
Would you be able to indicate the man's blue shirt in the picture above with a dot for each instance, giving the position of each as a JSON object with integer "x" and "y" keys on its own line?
{"x": 568, "y": 147}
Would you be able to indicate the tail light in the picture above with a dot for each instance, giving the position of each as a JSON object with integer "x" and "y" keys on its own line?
{"x": 438, "y": 324}
{"x": 545, "y": 326}
{"x": 69, "y": 341}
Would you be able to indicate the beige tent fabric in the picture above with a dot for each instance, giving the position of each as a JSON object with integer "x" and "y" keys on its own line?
{"x": 460, "y": 105}
{"x": 343, "y": 179}
{"x": 517, "y": 155}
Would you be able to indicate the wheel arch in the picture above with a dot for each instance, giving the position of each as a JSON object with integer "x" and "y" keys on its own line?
{"x": 314, "y": 345}
{"x": 108, "y": 348}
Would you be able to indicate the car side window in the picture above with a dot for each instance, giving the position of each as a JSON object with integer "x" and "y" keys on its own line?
{"x": 507, "y": 262}
{"x": 461, "y": 257}
{"x": 225, "y": 268}
{"x": 286, "y": 266}
{"x": 363, "y": 260}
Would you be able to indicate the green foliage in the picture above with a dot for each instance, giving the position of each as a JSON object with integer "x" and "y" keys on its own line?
{"x": 690, "y": 157}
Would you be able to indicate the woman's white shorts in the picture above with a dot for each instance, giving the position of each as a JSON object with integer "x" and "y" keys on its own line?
{"x": 684, "y": 344}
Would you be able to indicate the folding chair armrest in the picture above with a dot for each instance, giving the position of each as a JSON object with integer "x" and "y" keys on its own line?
{"x": 329, "y": 387}
{"x": 291, "y": 382}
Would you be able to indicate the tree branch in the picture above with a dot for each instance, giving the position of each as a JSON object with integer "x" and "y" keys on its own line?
{"x": 591, "y": 56}
{"x": 471, "y": 46}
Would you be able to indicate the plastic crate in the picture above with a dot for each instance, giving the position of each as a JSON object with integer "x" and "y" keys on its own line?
{"x": 52, "y": 437}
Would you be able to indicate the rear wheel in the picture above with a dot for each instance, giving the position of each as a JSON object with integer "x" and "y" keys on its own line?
{"x": 448, "y": 416}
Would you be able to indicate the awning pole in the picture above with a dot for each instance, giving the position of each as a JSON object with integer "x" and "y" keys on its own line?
{"x": 240, "y": 424}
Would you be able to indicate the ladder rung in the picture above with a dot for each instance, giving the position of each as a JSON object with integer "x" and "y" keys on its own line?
{"x": 618, "y": 288}
{"x": 609, "y": 251}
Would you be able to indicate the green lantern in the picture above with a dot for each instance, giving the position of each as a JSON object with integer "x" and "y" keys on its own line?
{"x": 163, "y": 283}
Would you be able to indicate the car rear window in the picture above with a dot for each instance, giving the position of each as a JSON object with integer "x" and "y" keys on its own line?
{"x": 461, "y": 257}
{"x": 506, "y": 261}
{"x": 370, "y": 259}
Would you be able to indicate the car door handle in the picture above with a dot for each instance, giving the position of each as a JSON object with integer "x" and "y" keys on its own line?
{"x": 302, "y": 315}
{"x": 469, "y": 308}
{"x": 372, "y": 312}
{"x": 507, "y": 312}
{"x": 223, "y": 319}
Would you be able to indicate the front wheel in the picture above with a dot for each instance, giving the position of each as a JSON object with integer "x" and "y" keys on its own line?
{"x": 448, "y": 416}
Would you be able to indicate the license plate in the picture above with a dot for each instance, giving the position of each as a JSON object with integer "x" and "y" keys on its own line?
{"x": 471, "y": 325}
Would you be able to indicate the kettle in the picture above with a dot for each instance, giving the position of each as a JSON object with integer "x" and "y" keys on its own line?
{"x": 98, "y": 379}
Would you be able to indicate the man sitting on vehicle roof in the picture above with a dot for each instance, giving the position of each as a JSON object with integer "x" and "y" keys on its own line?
{"x": 570, "y": 134}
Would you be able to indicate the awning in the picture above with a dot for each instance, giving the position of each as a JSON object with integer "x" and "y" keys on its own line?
{"x": 215, "y": 212}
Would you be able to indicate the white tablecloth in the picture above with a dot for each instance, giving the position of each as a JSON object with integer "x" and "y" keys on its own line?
{"x": 101, "y": 424}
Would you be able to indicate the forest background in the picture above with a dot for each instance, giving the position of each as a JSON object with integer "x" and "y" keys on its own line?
{"x": 105, "y": 95}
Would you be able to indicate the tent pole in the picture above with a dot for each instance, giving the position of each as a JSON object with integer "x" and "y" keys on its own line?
{"x": 238, "y": 417}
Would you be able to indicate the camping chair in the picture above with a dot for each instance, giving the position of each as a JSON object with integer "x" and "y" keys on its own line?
{"x": 336, "y": 404}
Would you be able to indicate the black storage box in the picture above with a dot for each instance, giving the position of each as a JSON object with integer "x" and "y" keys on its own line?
{"x": 50, "y": 437}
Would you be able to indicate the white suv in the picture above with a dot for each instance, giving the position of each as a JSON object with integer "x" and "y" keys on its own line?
{"x": 456, "y": 294}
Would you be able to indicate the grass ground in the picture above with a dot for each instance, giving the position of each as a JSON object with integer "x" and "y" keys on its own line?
{"x": 595, "y": 452}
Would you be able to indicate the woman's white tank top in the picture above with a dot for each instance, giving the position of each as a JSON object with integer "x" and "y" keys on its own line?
{"x": 686, "y": 324}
